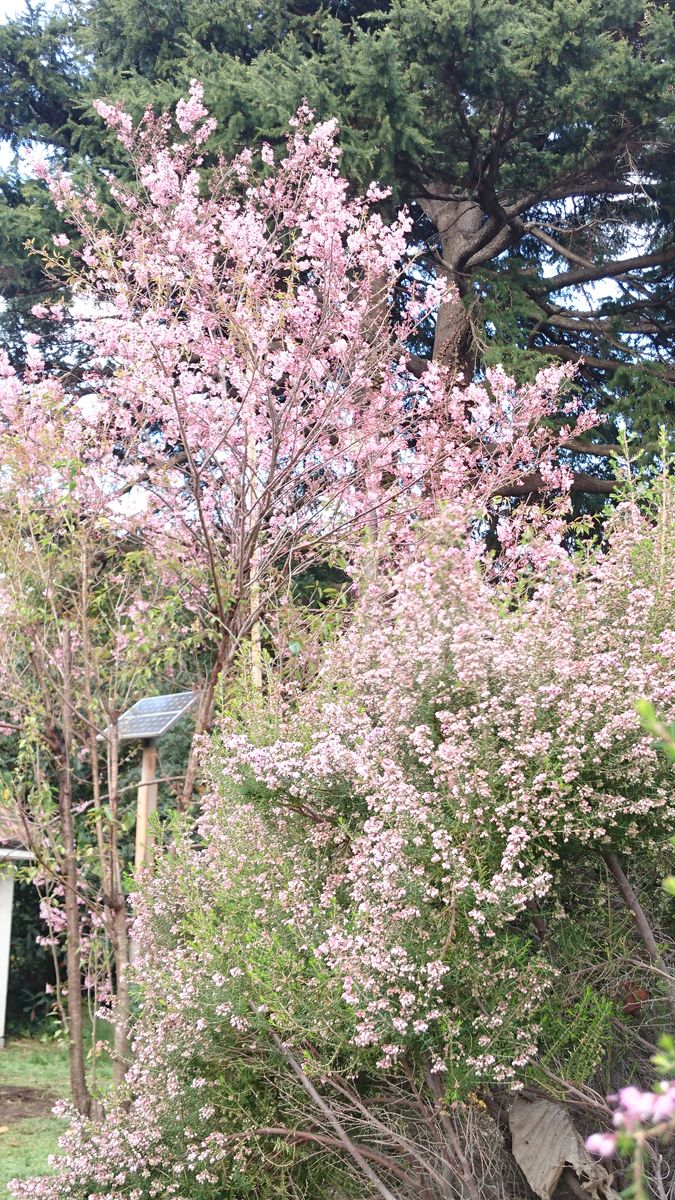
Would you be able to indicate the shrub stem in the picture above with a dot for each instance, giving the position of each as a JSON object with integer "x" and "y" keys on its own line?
{"x": 641, "y": 923}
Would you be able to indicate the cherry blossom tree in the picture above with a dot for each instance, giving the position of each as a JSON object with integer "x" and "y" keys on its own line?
{"x": 249, "y": 387}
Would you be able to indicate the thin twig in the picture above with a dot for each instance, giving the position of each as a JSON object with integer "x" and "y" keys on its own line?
{"x": 328, "y": 1113}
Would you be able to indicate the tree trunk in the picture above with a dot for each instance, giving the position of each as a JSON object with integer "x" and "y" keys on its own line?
{"x": 114, "y": 900}
{"x": 458, "y": 224}
{"x": 206, "y": 713}
{"x": 114, "y": 910}
{"x": 78, "y": 1076}
{"x": 117, "y": 915}
{"x": 120, "y": 941}
{"x": 454, "y": 345}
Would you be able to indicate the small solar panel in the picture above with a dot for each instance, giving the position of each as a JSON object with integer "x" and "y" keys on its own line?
{"x": 152, "y": 717}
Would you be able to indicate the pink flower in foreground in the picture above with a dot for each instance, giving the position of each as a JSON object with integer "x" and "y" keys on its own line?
{"x": 635, "y": 1107}
{"x": 602, "y": 1144}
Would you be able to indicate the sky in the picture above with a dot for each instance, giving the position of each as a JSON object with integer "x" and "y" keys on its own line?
{"x": 12, "y": 8}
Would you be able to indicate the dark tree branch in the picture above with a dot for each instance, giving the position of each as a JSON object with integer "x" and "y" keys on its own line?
{"x": 610, "y": 269}
{"x": 601, "y": 449}
{"x": 533, "y": 484}
{"x": 562, "y": 319}
{"x": 542, "y": 236}
{"x": 573, "y": 354}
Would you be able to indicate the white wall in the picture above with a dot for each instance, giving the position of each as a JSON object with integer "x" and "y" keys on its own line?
{"x": 6, "y": 897}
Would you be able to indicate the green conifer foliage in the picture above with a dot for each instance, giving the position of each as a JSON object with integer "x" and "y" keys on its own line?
{"x": 533, "y": 137}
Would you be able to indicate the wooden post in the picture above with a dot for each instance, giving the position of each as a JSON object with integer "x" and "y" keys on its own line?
{"x": 146, "y": 804}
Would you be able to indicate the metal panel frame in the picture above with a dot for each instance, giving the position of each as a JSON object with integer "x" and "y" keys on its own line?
{"x": 153, "y": 716}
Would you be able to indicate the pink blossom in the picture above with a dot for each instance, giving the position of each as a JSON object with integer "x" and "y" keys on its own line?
{"x": 602, "y": 1144}
{"x": 190, "y": 111}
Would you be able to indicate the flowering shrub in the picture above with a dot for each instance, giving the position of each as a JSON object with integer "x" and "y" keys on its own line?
{"x": 372, "y": 916}
{"x": 486, "y": 737}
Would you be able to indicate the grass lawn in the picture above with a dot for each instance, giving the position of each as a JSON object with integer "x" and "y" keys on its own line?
{"x": 27, "y": 1140}
{"x": 25, "y": 1147}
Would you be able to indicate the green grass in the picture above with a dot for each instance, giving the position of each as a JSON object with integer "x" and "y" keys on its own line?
{"x": 25, "y": 1148}
{"x": 32, "y": 1063}
{"x": 25, "y": 1145}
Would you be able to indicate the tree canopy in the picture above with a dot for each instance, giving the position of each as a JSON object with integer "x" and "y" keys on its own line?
{"x": 532, "y": 139}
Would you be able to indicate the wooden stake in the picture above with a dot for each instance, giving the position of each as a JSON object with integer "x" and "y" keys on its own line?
{"x": 146, "y": 805}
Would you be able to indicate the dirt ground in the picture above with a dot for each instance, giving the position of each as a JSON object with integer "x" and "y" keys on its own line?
{"x": 19, "y": 1103}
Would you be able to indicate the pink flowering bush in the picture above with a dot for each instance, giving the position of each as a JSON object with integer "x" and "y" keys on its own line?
{"x": 470, "y": 741}
{"x": 372, "y": 916}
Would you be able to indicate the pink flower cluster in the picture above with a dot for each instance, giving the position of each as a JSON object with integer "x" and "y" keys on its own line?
{"x": 636, "y": 1110}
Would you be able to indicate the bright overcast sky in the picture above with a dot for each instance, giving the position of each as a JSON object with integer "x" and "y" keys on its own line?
{"x": 11, "y": 8}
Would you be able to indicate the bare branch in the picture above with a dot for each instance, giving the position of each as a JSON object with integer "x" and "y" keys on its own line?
{"x": 609, "y": 269}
